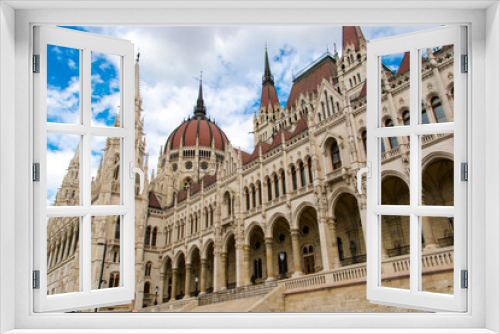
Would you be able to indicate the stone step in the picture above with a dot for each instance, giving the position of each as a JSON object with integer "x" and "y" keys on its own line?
{"x": 237, "y": 305}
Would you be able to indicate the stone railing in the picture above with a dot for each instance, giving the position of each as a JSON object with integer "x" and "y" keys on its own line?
{"x": 436, "y": 259}
{"x": 171, "y": 306}
{"x": 304, "y": 282}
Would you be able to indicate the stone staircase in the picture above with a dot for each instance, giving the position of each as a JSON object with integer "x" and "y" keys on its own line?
{"x": 237, "y": 305}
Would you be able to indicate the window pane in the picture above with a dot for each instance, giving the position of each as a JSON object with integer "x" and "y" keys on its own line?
{"x": 395, "y": 171}
{"x": 63, "y": 85}
{"x": 63, "y": 260}
{"x": 63, "y": 170}
{"x": 437, "y": 87}
{"x": 437, "y": 254}
{"x": 105, "y": 252}
{"x": 395, "y": 252}
{"x": 106, "y": 170}
{"x": 395, "y": 93}
{"x": 438, "y": 169}
{"x": 105, "y": 89}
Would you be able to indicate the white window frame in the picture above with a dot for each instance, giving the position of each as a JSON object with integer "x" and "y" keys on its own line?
{"x": 482, "y": 316}
{"x": 86, "y": 43}
{"x": 414, "y": 43}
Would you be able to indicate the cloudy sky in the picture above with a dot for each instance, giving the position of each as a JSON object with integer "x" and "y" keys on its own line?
{"x": 232, "y": 61}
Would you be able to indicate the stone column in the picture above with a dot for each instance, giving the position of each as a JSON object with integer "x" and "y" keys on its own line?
{"x": 165, "y": 286}
{"x": 269, "y": 259}
{"x": 175, "y": 276}
{"x": 335, "y": 247}
{"x": 161, "y": 288}
{"x": 325, "y": 240}
{"x": 217, "y": 271}
{"x": 296, "y": 254}
{"x": 203, "y": 276}
{"x": 223, "y": 264}
{"x": 240, "y": 265}
{"x": 246, "y": 264}
{"x": 187, "y": 289}
{"x": 428, "y": 235}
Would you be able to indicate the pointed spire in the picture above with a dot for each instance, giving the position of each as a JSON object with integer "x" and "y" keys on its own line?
{"x": 199, "y": 109}
{"x": 267, "y": 77}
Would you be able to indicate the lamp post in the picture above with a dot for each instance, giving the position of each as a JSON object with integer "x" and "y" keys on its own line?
{"x": 196, "y": 285}
{"x": 156, "y": 295}
{"x": 282, "y": 265}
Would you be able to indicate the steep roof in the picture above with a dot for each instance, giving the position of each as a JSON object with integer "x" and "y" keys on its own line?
{"x": 269, "y": 95}
{"x": 405, "y": 64}
{"x": 153, "y": 201}
{"x": 352, "y": 35}
{"x": 308, "y": 81}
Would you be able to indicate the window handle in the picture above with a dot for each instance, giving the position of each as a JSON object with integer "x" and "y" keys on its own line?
{"x": 132, "y": 171}
{"x": 368, "y": 171}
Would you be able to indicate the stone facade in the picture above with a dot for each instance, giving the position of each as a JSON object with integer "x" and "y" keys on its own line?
{"x": 214, "y": 218}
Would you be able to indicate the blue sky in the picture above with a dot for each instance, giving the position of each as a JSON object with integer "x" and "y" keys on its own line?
{"x": 232, "y": 60}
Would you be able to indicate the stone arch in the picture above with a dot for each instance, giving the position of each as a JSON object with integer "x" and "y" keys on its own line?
{"x": 226, "y": 238}
{"x": 328, "y": 141}
{"x": 272, "y": 220}
{"x": 428, "y": 159}
{"x": 298, "y": 211}
{"x": 334, "y": 197}
{"x": 177, "y": 257}
{"x": 205, "y": 248}
{"x": 394, "y": 173}
{"x": 190, "y": 252}
{"x": 308, "y": 227}
{"x": 249, "y": 229}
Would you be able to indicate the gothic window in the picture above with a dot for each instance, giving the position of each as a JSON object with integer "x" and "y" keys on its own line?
{"x": 354, "y": 79}
{"x": 269, "y": 189}
{"x": 406, "y": 117}
{"x": 333, "y": 106}
{"x": 147, "y": 271}
{"x": 116, "y": 173}
{"x": 309, "y": 168}
{"x": 147, "y": 288}
{"x": 174, "y": 167}
{"x": 438, "y": 110}
{"x": 319, "y": 117}
{"x": 350, "y": 82}
{"x": 323, "y": 109}
{"x": 352, "y": 58}
{"x": 363, "y": 137}
{"x": 114, "y": 280}
{"x": 153, "y": 237}
{"x": 302, "y": 174}
{"x": 359, "y": 77}
{"x": 247, "y": 196}
{"x": 327, "y": 105}
{"x": 283, "y": 181}
{"x": 254, "y": 197}
{"x": 204, "y": 165}
{"x": 338, "y": 106}
{"x": 425, "y": 117}
{"x": 189, "y": 165}
{"x": 294, "y": 178}
{"x": 147, "y": 236}
{"x": 393, "y": 141}
{"x": 117, "y": 229}
{"x": 281, "y": 238}
{"x": 276, "y": 186}
{"x": 336, "y": 159}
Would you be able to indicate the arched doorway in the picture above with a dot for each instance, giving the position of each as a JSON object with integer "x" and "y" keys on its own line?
{"x": 395, "y": 229}
{"x": 257, "y": 255}
{"x": 194, "y": 286}
{"x": 207, "y": 276}
{"x": 350, "y": 240}
{"x": 438, "y": 189}
{"x": 230, "y": 263}
{"x": 310, "y": 247}
{"x": 282, "y": 249}
{"x": 167, "y": 281}
{"x": 181, "y": 280}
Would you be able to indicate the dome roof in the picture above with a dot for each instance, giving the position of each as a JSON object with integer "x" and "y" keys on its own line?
{"x": 199, "y": 128}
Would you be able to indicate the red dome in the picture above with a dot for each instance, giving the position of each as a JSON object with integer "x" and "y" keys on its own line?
{"x": 205, "y": 130}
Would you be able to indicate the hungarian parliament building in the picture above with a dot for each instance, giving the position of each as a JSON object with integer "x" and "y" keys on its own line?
{"x": 281, "y": 228}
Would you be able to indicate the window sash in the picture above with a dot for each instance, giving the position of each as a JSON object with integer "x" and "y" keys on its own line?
{"x": 414, "y": 298}
{"x": 86, "y": 297}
